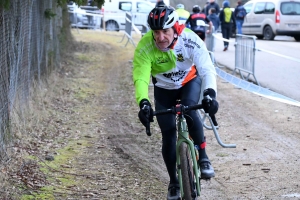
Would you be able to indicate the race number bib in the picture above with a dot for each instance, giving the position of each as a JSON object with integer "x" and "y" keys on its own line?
{"x": 200, "y": 23}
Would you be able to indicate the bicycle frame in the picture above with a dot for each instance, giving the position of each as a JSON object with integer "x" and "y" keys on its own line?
{"x": 183, "y": 136}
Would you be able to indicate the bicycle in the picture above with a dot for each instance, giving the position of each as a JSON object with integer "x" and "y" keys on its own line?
{"x": 188, "y": 170}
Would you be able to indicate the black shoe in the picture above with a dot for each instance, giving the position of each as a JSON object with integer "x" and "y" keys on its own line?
{"x": 174, "y": 192}
{"x": 207, "y": 171}
{"x": 225, "y": 48}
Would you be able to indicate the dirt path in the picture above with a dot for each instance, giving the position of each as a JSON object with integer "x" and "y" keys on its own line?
{"x": 101, "y": 150}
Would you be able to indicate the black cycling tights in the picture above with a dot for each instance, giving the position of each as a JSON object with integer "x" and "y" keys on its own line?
{"x": 189, "y": 94}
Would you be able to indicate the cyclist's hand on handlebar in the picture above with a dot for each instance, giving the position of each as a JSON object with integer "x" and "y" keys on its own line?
{"x": 146, "y": 112}
{"x": 210, "y": 105}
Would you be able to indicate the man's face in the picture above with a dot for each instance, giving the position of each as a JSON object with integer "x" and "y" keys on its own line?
{"x": 211, "y": 1}
{"x": 163, "y": 38}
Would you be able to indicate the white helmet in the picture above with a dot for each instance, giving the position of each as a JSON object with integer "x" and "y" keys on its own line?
{"x": 162, "y": 17}
{"x": 180, "y": 6}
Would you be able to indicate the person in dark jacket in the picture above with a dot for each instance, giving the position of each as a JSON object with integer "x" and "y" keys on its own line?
{"x": 227, "y": 19}
{"x": 239, "y": 14}
{"x": 214, "y": 19}
{"x": 212, "y": 4}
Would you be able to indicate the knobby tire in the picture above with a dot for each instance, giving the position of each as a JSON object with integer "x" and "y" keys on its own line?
{"x": 188, "y": 177}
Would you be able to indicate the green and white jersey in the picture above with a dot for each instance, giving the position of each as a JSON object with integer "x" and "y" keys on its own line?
{"x": 174, "y": 68}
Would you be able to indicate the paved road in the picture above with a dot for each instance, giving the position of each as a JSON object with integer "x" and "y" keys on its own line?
{"x": 276, "y": 73}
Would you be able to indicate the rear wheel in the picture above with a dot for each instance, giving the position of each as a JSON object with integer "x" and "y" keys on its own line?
{"x": 297, "y": 38}
{"x": 268, "y": 33}
{"x": 188, "y": 175}
{"x": 112, "y": 25}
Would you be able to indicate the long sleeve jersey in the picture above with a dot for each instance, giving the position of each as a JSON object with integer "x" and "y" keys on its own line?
{"x": 174, "y": 68}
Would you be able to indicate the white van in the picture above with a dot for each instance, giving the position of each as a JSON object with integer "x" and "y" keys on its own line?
{"x": 114, "y": 12}
{"x": 268, "y": 18}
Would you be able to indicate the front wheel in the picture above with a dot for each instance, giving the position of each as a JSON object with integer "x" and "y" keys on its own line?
{"x": 297, "y": 38}
{"x": 188, "y": 175}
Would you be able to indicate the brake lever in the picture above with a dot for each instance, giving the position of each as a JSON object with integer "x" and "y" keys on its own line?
{"x": 146, "y": 110}
{"x": 213, "y": 118}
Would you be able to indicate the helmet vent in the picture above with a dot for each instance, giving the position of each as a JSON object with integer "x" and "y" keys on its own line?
{"x": 171, "y": 21}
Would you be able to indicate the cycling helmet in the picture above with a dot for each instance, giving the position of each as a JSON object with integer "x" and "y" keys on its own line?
{"x": 180, "y": 6}
{"x": 196, "y": 9}
{"x": 162, "y": 17}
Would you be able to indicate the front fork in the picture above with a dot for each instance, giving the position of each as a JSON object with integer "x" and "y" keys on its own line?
{"x": 183, "y": 136}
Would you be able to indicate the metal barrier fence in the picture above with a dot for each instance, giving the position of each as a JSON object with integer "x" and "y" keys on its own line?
{"x": 210, "y": 41}
{"x": 145, "y": 29}
{"x": 128, "y": 29}
{"x": 210, "y": 45}
{"x": 245, "y": 56}
{"x": 244, "y": 61}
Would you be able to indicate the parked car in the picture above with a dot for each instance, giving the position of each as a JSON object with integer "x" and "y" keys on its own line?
{"x": 80, "y": 18}
{"x": 77, "y": 15}
{"x": 114, "y": 13}
{"x": 268, "y": 18}
{"x": 90, "y": 20}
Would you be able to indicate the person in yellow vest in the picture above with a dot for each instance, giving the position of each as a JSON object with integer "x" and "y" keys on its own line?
{"x": 182, "y": 13}
{"x": 227, "y": 20}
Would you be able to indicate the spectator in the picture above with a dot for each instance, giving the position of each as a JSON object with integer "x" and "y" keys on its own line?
{"x": 214, "y": 19}
{"x": 182, "y": 13}
{"x": 227, "y": 19}
{"x": 206, "y": 4}
{"x": 212, "y": 4}
{"x": 239, "y": 13}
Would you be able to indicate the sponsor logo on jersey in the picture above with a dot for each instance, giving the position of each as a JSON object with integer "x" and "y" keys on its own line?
{"x": 161, "y": 60}
{"x": 180, "y": 58}
{"x": 175, "y": 76}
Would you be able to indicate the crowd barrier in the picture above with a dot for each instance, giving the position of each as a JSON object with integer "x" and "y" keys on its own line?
{"x": 128, "y": 29}
{"x": 245, "y": 56}
{"x": 210, "y": 45}
{"x": 244, "y": 62}
{"x": 245, "y": 47}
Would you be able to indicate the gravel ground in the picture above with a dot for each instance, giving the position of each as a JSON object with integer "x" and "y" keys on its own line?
{"x": 87, "y": 122}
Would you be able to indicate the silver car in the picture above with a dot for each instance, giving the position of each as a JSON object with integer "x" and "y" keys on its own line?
{"x": 268, "y": 18}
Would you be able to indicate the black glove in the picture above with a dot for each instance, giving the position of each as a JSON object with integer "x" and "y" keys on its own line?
{"x": 145, "y": 113}
{"x": 210, "y": 105}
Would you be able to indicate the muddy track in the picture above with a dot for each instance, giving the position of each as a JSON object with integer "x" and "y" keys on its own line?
{"x": 113, "y": 158}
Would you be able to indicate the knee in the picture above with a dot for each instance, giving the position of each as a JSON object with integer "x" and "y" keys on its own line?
{"x": 169, "y": 137}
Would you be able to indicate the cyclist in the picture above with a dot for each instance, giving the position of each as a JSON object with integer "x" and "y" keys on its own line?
{"x": 178, "y": 61}
{"x": 197, "y": 21}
